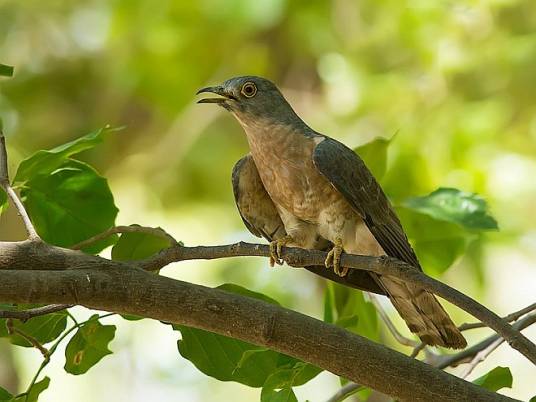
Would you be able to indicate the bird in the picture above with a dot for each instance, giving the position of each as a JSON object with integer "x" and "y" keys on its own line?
{"x": 297, "y": 187}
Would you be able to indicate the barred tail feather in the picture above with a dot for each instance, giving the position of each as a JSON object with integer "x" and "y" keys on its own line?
{"x": 423, "y": 314}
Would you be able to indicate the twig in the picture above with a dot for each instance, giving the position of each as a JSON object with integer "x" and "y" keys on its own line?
{"x": 467, "y": 354}
{"x": 481, "y": 356}
{"x": 159, "y": 232}
{"x": 508, "y": 318}
{"x": 24, "y": 315}
{"x": 297, "y": 257}
{"x": 417, "y": 349}
{"x": 11, "y": 329}
{"x": 346, "y": 391}
{"x": 390, "y": 326}
{"x": 4, "y": 182}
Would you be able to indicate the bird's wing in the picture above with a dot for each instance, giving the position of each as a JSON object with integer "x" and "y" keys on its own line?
{"x": 253, "y": 202}
{"x": 348, "y": 174}
{"x": 262, "y": 219}
{"x": 422, "y": 312}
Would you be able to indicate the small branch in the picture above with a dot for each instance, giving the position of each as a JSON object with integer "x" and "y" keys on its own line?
{"x": 509, "y": 318}
{"x": 481, "y": 356}
{"x": 11, "y": 329}
{"x": 25, "y": 315}
{"x": 345, "y": 392}
{"x": 469, "y": 353}
{"x": 4, "y": 182}
{"x": 159, "y": 232}
{"x": 390, "y": 326}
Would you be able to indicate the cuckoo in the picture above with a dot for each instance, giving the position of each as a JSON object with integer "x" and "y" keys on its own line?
{"x": 300, "y": 188}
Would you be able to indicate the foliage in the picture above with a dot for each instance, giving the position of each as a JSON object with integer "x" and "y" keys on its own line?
{"x": 88, "y": 346}
{"x": 6, "y": 71}
{"x": 494, "y": 380}
{"x": 229, "y": 359}
{"x": 44, "y": 328}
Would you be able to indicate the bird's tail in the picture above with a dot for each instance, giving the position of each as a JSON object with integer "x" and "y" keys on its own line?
{"x": 423, "y": 314}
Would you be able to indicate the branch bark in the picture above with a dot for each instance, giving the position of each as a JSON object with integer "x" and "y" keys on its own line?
{"x": 101, "y": 284}
{"x": 297, "y": 257}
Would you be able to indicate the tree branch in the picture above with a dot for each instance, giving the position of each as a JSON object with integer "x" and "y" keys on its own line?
{"x": 508, "y": 318}
{"x": 466, "y": 355}
{"x": 4, "y": 182}
{"x": 11, "y": 329}
{"x": 345, "y": 391}
{"x": 25, "y": 315}
{"x": 120, "y": 287}
{"x": 389, "y": 324}
{"x": 297, "y": 257}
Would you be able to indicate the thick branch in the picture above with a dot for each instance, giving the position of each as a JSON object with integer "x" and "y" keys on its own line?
{"x": 297, "y": 257}
{"x": 113, "y": 286}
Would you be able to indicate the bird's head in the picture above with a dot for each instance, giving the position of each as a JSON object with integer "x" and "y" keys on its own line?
{"x": 250, "y": 99}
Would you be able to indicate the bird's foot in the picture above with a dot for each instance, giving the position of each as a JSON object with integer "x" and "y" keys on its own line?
{"x": 276, "y": 250}
{"x": 334, "y": 259}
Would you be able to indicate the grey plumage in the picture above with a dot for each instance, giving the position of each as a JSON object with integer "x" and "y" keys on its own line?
{"x": 305, "y": 189}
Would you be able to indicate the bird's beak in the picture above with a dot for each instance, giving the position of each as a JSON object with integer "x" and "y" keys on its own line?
{"x": 218, "y": 90}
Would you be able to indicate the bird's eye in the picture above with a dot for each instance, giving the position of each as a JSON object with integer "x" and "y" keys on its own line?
{"x": 249, "y": 90}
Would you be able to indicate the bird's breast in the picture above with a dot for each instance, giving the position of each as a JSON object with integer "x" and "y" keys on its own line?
{"x": 285, "y": 165}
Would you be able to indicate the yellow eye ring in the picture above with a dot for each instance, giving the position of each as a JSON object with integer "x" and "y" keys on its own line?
{"x": 249, "y": 90}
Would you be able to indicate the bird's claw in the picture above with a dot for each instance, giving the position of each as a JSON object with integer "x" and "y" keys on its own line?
{"x": 333, "y": 259}
{"x": 276, "y": 250}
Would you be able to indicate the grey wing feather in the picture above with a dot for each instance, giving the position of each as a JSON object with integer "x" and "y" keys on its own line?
{"x": 262, "y": 219}
{"x": 349, "y": 175}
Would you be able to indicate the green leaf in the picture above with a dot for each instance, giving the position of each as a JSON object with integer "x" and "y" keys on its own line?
{"x": 5, "y": 396}
{"x": 437, "y": 243}
{"x": 533, "y": 399}
{"x": 220, "y": 357}
{"x": 283, "y": 395}
{"x": 6, "y": 71}
{"x": 451, "y": 205}
{"x": 374, "y": 154}
{"x": 88, "y": 346}
{"x": 494, "y": 380}
{"x": 43, "y": 328}
{"x": 284, "y": 379}
{"x": 35, "y": 391}
{"x": 298, "y": 374}
{"x": 355, "y": 313}
{"x": 3, "y": 201}
{"x": 136, "y": 246}
{"x": 228, "y": 359}
{"x": 44, "y": 162}
{"x": 71, "y": 204}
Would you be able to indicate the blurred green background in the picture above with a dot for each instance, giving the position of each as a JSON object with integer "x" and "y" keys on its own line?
{"x": 454, "y": 80}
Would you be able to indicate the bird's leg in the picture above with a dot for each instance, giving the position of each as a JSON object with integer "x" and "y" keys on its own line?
{"x": 276, "y": 249}
{"x": 334, "y": 259}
